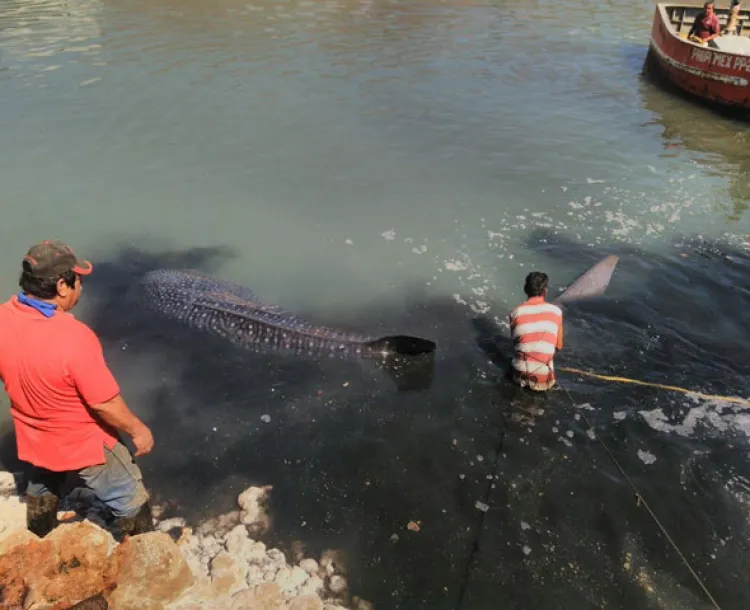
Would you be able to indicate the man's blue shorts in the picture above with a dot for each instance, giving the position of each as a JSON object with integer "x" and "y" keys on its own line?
{"x": 118, "y": 482}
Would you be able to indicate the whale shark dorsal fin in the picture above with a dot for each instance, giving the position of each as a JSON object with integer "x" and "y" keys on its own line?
{"x": 593, "y": 282}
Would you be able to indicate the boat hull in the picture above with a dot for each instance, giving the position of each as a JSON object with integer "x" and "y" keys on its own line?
{"x": 713, "y": 75}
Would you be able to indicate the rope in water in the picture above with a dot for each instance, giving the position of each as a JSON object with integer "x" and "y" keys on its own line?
{"x": 662, "y": 386}
{"x": 485, "y": 499}
{"x": 638, "y": 497}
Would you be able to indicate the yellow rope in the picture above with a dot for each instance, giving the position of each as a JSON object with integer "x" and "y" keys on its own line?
{"x": 734, "y": 399}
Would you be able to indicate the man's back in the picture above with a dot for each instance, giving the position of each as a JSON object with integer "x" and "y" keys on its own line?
{"x": 51, "y": 367}
{"x": 536, "y": 329}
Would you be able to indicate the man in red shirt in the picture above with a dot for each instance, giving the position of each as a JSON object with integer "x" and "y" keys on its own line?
{"x": 65, "y": 403}
{"x": 706, "y": 25}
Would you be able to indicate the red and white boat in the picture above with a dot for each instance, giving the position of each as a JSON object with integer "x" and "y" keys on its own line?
{"x": 719, "y": 75}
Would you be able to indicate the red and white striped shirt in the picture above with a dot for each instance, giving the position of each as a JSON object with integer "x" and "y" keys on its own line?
{"x": 537, "y": 330}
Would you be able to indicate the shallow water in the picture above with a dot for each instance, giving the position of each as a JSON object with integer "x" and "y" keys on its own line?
{"x": 399, "y": 167}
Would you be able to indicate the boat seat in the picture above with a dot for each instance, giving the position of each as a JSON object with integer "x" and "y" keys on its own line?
{"x": 734, "y": 44}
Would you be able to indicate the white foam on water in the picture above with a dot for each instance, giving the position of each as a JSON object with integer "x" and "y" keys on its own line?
{"x": 611, "y": 213}
{"x": 453, "y": 265}
{"x": 646, "y": 456}
{"x": 715, "y": 416}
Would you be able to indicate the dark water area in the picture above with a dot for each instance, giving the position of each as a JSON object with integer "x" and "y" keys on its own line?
{"x": 351, "y": 460}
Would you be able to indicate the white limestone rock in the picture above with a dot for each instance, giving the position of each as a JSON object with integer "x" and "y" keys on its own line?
{"x": 313, "y": 586}
{"x": 277, "y": 557}
{"x": 298, "y": 576}
{"x": 310, "y": 566}
{"x": 228, "y": 573}
{"x": 169, "y": 524}
{"x": 337, "y": 584}
{"x": 12, "y": 510}
{"x": 252, "y": 503}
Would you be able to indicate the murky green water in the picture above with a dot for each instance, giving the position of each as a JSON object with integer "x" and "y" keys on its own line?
{"x": 351, "y": 153}
{"x": 300, "y": 133}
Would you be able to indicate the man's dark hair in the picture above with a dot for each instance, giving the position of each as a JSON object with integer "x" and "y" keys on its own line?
{"x": 44, "y": 287}
{"x": 536, "y": 282}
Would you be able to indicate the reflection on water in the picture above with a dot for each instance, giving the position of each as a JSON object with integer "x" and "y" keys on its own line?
{"x": 719, "y": 145}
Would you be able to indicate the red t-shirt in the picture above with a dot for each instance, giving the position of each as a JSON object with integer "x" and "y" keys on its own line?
{"x": 706, "y": 25}
{"x": 52, "y": 367}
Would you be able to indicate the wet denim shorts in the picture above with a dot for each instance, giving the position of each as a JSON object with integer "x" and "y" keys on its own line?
{"x": 118, "y": 482}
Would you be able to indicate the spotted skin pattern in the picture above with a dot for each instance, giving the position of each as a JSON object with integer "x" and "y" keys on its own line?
{"x": 234, "y": 313}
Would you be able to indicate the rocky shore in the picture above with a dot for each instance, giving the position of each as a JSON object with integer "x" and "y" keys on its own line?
{"x": 219, "y": 565}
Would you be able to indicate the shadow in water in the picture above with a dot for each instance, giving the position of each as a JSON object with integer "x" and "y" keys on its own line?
{"x": 352, "y": 460}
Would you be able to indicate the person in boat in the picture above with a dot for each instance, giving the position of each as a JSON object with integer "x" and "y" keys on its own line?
{"x": 706, "y": 26}
{"x": 65, "y": 404}
{"x": 537, "y": 331}
{"x": 734, "y": 16}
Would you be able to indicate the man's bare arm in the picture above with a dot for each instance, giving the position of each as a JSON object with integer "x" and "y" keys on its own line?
{"x": 117, "y": 414}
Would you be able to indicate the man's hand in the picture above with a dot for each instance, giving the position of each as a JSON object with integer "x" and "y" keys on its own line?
{"x": 116, "y": 413}
{"x": 143, "y": 441}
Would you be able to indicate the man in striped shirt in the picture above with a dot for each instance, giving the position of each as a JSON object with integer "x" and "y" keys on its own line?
{"x": 537, "y": 330}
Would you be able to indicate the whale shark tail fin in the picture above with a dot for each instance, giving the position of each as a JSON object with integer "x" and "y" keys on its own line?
{"x": 593, "y": 282}
{"x": 401, "y": 345}
{"x": 409, "y": 373}
{"x": 408, "y": 361}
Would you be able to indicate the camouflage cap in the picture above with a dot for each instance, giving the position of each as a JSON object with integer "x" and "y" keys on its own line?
{"x": 52, "y": 258}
